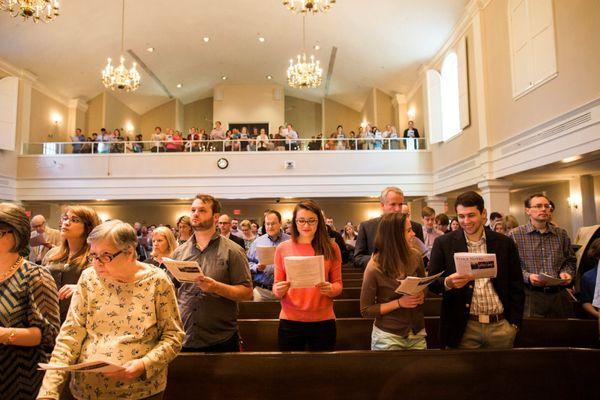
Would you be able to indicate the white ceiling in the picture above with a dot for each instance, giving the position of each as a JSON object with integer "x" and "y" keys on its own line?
{"x": 381, "y": 43}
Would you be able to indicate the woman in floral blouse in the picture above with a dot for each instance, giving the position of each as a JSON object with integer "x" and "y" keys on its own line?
{"x": 123, "y": 311}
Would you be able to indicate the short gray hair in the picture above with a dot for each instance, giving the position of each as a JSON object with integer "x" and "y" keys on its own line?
{"x": 388, "y": 189}
{"x": 15, "y": 219}
{"x": 116, "y": 232}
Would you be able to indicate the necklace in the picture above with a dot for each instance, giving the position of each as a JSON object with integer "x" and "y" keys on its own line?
{"x": 12, "y": 269}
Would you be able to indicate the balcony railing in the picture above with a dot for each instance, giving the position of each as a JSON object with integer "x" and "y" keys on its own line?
{"x": 230, "y": 145}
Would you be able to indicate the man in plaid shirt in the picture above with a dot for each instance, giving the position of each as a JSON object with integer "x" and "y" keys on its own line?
{"x": 544, "y": 249}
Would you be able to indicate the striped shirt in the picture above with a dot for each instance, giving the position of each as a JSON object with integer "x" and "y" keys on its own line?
{"x": 549, "y": 252}
{"x": 485, "y": 300}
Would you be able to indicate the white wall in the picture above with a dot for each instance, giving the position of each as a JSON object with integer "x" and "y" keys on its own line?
{"x": 249, "y": 103}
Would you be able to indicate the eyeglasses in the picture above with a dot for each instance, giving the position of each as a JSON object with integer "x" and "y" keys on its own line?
{"x": 311, "y": 221}
{"x": 544, "y": 206}
{"x": 2, "y": 233}
{"x": 74, "y": 219}
{"x": 104, "y": 258}
{"x": 37, "y": 226}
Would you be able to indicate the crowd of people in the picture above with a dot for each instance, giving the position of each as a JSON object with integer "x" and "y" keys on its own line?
{"x": 102, "y": 290}
{"x": 219, "y": 139}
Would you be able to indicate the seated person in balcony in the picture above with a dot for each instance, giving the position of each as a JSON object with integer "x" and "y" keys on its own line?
{"x": 157, "y": 140}
{"x": 193, "y": 139}
{"x": 263, "y": 275}
{"x": 352, "y": 141}
{"x": 262, "y": 141}
{"x": 292, "y": 138}
{"x": 394, "y": 140}
{"x": 219, "y": 134}
{"x": 399, "y": 320}
{"x": 589, "y": 281}
{"x": 244, "y": 139}
{"x": 341, "y": 138}
{"x": 138, "y": 145}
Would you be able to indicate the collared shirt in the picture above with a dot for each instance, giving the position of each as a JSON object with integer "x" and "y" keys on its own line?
{"x": 210, "y": 319}
{"x": 292, "y": 136}
{"x": 549, "y": 252}
{"x": 485, "y": 300}
{"x": 430, "y": 235}
{"x": 218, "y": 134}
{"x": 266, "y": 276}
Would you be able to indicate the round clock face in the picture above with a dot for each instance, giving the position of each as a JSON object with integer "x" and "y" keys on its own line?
{"x": 222, "y": 163}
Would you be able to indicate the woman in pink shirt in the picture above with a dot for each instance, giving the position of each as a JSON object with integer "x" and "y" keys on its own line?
{"x": 307, "y": 321}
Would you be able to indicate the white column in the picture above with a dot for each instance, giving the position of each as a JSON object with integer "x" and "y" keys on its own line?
{"x": 400, "y": 107}
{"x": 438, "y": 203}
{"x": 76, "y": 115}
{"x": 496, "y": 195}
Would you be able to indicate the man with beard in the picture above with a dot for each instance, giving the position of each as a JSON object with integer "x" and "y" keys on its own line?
{"x": 209, "y": 306}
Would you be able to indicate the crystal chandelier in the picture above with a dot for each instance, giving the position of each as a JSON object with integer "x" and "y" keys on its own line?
{"x": 306, "y": 72}
{"x": 37, "y": 10}
{"x": 308, "y": 6}
{"x": 120, "y": 77}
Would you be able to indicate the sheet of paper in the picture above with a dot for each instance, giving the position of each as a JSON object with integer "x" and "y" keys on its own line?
{"x": 304, "y": 272}
{"x": 265, "y": 254}
{"x": 415, "y": 285}
{"x": 183, "y": 271}
{"x": 552, "y": 281}
{"x": 90, "y": 366}
{"x": 480, "y": 265}
{"x": 37, "y": 240}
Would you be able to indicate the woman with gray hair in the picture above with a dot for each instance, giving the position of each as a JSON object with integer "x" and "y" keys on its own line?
{"x": 29, "y": 318}
{"x": 123, "y": 311}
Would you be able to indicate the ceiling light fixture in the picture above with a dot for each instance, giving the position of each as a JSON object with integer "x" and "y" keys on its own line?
{"x": 304, "y": 73}
{"x": 150, "y": 49}
{"x": 261, "y": 39}
{"x": 206, "y": 39}
{"x": 269, "y": 77}
{"x": 224, "y": 77}
{"x": 120, "y": 77}
{"x": 308, "y": 6}
{"x": 179, "y": 85}
{"x": 317, "y": 47}
{"x": 571, "y": 159}
{"x": 37, "y": 10}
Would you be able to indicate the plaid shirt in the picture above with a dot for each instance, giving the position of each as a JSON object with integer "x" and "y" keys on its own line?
{"x": 549, "y": 252}
{"x": 485, "y": 300}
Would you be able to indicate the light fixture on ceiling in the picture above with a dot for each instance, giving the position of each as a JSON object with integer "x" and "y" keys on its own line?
{"x": 571, "y": 159}
{"x": 37, "y": 10}
{"x": 317, "y": 47}
{"x": 224, "y": 77}
{"x": 269, "y": 77}
{"x": 261, "y": 39}
{"x": 306, "y": 72}
{"x": 150, "y": 49}
{"x": 206, "y": 39}
{"x": 179, "y": 85}
{"x": 120, "y": 77}
{"x": 308, "y": 6}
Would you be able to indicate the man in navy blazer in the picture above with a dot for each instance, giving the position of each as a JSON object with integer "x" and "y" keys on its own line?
{"x": 392, "y": 199}
{"x": 482, "y": 313}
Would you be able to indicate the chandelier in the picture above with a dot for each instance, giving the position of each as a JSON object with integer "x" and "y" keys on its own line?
{"x": 308, "y": 6}
{"x": 120, "y": 77}
{"x": 306, "y": 72}
{"x": 37, "y": 10}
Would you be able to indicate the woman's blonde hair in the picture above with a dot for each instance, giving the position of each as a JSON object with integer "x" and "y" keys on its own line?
{"x": 246, "y": 223}
{"x": 90, "y": 220}
{"x": 169, "y": 237}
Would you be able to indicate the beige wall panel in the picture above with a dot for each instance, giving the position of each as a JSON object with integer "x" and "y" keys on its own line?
{"x": 198, "y": 114}
{"x": 578, "y": 59}
{"x": 94, "y": 116}
{"x": 250, "y": 103}
{"x": 41, "y": 123}
{"x": 306, "y": 116}
{"x": 118, "y": 115}
{"x": 338, "y": 114}
{"x": 385, "y": 110}
{"x": 163, "y": 116}
{"x": 368, "y": 111}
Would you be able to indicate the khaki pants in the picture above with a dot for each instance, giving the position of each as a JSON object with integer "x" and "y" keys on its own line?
{"x": 262, "y": 294}
{"x": 500, "y": 335}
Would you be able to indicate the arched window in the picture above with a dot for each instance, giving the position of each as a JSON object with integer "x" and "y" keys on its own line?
{"x": 449, "y": 93}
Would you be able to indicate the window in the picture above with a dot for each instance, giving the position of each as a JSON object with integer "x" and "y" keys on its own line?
{"x": 532, "y": 44}
{"x": 448, "y": 96}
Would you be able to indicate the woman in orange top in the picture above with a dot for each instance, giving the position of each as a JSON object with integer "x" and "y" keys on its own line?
{"x": 307, "y": 321}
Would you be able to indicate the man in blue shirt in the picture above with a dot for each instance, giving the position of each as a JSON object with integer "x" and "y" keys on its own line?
{"x": 262, "y": 275}
{"x": 589, "y": 295}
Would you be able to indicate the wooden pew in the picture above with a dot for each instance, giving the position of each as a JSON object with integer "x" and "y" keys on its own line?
{"x": 352, "y": 275}
{"x": 352, "y": 282}
{"x": 344, "y": 308}
{"x": 415, "y": 375}
{"x": 355, "y": 333}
